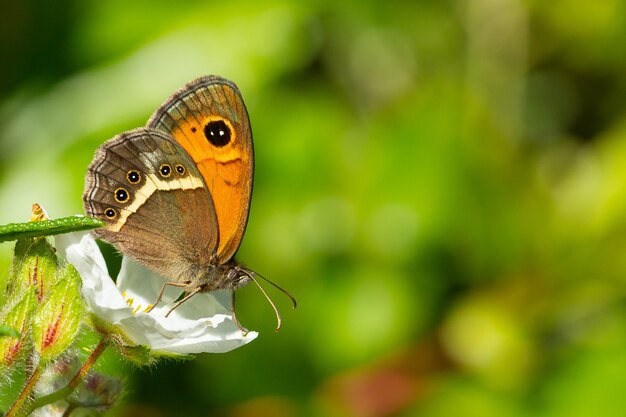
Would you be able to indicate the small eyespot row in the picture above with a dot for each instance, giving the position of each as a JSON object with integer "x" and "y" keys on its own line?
{"x": 121, "y": 195}
{"x": 133, "y": 176}
{"x": 165, "y": 170}
{"x": 110, "y": 213}
{"x": 180, "y": 169}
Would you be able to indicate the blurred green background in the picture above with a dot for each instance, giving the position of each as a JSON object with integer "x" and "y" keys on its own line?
{"x": 440, "y": 184}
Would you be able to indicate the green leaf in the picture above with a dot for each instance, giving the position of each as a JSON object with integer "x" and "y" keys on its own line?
{"x": 163, "y": 354}
{"x": 9, "y": 331}
{"x": 137, "y": 354}
{"x": 58, "y": 319}
{"x": 15, "y": 231}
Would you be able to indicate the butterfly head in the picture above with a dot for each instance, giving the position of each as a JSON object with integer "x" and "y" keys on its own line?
{"x": 237, "y": 276}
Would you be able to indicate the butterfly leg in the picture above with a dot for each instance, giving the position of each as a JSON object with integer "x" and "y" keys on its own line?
{"x": 185, "y": 298}
{"x": 232, "y": 309}
{"x": 173, "y": 284}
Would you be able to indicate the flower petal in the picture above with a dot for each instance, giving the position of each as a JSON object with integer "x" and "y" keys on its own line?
{"x": 202, "y": 324}
{"x": 98, "y": 289}
{"x": 210, "y": 336}
{"x": 143, "y": 285}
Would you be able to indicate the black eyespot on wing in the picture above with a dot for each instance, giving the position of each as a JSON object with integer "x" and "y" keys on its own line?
{"x": 165, "y": 170}
{"x": 218, "y": 133}
{"x": 121, "y": 195}
{"x": 110, "y": 213}
{"x": 133, "y": 176}
{"x": 180, "y": 169}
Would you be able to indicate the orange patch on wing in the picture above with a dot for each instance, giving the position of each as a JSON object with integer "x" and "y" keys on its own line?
{"x": 227, "y": 172}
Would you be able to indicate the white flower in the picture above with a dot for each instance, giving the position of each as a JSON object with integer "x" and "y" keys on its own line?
{"x": 202, "y": 324}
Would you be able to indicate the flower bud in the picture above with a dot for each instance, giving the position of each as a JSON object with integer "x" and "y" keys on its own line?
{"x": 34, "y": 263}
{"x": 97, "y": 391}
{"x": 57, "y": 320}
{"x": 16, "y": 317}
{"x": 34, "y": 266}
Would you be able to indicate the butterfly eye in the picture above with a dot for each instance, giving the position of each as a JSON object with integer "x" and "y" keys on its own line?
{"x": 121, "y": 195}
{"x": 110, "y": 213}
{"x": 133, "y": 177}
{"x": 180, "y": 169}
{"x": 165, "y": 170}
{"x": 217, "y": 132}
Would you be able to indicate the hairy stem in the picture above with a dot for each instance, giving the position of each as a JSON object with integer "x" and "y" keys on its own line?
{"x": 26, "y": 392}
{"x": 71, "y": 386}
{"x": 15, "y": 231}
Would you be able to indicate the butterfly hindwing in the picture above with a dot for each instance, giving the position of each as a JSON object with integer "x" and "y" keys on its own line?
{"x": 154, "y": 203}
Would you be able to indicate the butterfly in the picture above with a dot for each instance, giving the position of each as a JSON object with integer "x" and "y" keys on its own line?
{"x": 175, "y": 195}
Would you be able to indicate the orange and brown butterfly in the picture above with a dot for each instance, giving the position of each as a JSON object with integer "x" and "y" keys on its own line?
{"x": 175, "y": 195}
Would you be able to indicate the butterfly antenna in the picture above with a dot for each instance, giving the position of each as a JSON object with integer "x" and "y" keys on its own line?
{"x": 284, "y": 291}
{"x": 278, "y": 318}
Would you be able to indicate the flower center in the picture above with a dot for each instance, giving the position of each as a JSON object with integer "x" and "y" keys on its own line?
{"x": 131, "y": 303}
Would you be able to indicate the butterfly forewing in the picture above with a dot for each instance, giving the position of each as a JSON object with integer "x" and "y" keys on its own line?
{"x": 154, "y": 203}
{"x": 208, "y": 118}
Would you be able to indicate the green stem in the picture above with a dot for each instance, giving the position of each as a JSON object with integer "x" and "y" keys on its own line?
{"x": 71, "y": 386}
{"x": 26, "y": 392}
{"x": 14, "y": 231}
